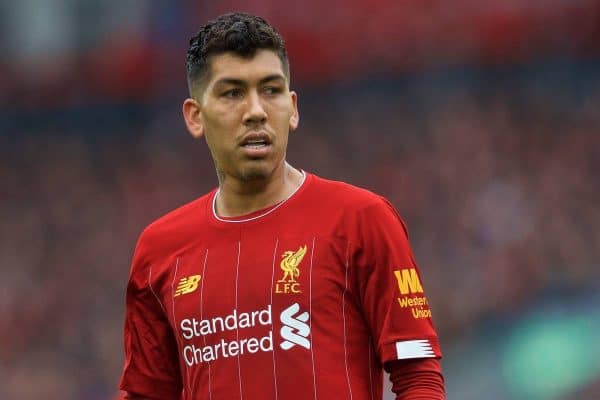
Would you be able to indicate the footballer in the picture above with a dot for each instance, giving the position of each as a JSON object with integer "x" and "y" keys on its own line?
{"x": 278, "y": 284}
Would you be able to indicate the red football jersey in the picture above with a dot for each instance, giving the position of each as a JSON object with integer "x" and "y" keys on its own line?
{"x": 303, "y": 300}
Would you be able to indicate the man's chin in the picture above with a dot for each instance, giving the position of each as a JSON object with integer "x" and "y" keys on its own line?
{"x": 256, "y": 171}
{"x": 254, "y": 174}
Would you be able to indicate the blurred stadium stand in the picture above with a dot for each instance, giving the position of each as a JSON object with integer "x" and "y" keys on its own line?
{"x": 479, "y": 120}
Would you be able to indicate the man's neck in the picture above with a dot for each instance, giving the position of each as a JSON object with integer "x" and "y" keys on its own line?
{"x": 236, "y": 198}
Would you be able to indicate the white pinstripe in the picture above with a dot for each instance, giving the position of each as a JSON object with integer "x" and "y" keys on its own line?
{"x": 272, "y": 282}
{"x": 312, "y": 333}
{"x": 344, "y": 319}
{"x": 187, "y": 370}
{"x": 370, "y": 374}
{"x": 202, "y": 317}
{"x": 237, "y": 330}
{"x": 155, "y": 296}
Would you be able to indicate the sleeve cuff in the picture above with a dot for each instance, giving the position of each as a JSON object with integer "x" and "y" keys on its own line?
{"x": 149, "y": 387}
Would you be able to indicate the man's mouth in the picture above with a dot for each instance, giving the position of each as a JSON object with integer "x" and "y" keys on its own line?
{"x": 255, "y": 143}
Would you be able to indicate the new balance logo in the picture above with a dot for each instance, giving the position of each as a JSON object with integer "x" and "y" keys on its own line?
{"x": 187, "y": 285}
{"x": 408, "y": 281}
{"x": 295, "y": 330}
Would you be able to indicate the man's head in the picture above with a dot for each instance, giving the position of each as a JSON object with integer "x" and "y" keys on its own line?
{"x": 240, "y": 100}
{"x": 238, "y": 33}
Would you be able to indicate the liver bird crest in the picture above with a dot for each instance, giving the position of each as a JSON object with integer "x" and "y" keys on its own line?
{"x": 289, "y": 264}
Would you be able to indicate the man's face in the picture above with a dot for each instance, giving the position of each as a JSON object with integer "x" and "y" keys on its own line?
{"x": 246, "y": 111}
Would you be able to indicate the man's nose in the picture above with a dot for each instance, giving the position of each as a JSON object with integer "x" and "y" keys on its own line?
{"x": 255, "y": 112}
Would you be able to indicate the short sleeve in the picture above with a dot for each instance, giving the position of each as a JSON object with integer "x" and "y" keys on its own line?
{"x": 390, "y": 287}
{"x": 151, "y": 365}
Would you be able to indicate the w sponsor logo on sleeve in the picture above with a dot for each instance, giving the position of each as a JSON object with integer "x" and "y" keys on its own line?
{"x": 295, "y": 329}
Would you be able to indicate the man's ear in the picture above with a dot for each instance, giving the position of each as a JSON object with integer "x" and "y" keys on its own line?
{"x": 193, "y": 117}
{"x": 295, "y": 118}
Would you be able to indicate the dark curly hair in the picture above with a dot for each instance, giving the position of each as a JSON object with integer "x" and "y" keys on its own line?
{"x": 240, "y": 33}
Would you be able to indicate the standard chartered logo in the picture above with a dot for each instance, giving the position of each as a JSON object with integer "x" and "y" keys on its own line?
{"x": 295, "y": 330}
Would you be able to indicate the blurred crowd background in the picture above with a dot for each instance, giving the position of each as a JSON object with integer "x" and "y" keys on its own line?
{"x": 479, "y": 120}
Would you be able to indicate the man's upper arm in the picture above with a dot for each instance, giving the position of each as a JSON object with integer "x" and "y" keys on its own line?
{"x": 390, "y": 288}
{"x": 151, "y": 357}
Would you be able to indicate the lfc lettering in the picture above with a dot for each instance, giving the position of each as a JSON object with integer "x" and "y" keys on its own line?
{"x": 287, "y": 287}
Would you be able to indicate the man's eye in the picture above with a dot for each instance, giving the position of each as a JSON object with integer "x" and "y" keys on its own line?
{"x": 272, "y": 90}
{"x": 232, "y": 93}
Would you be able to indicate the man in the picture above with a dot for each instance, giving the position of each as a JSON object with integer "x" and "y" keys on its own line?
{"x": 278, "y": 284}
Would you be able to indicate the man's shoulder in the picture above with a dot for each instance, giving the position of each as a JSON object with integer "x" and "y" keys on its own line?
{"x": 343, "y": 193}
{"x": 176, "y": 224}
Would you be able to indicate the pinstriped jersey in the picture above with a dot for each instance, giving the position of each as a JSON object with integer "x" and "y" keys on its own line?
{"x": 304, "y": 300}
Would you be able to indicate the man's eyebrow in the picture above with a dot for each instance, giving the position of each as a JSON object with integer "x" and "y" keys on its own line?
{"x": 240, "y": 82}
{"x": 273, "y": 77}
{"x": 229, "y": 81}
